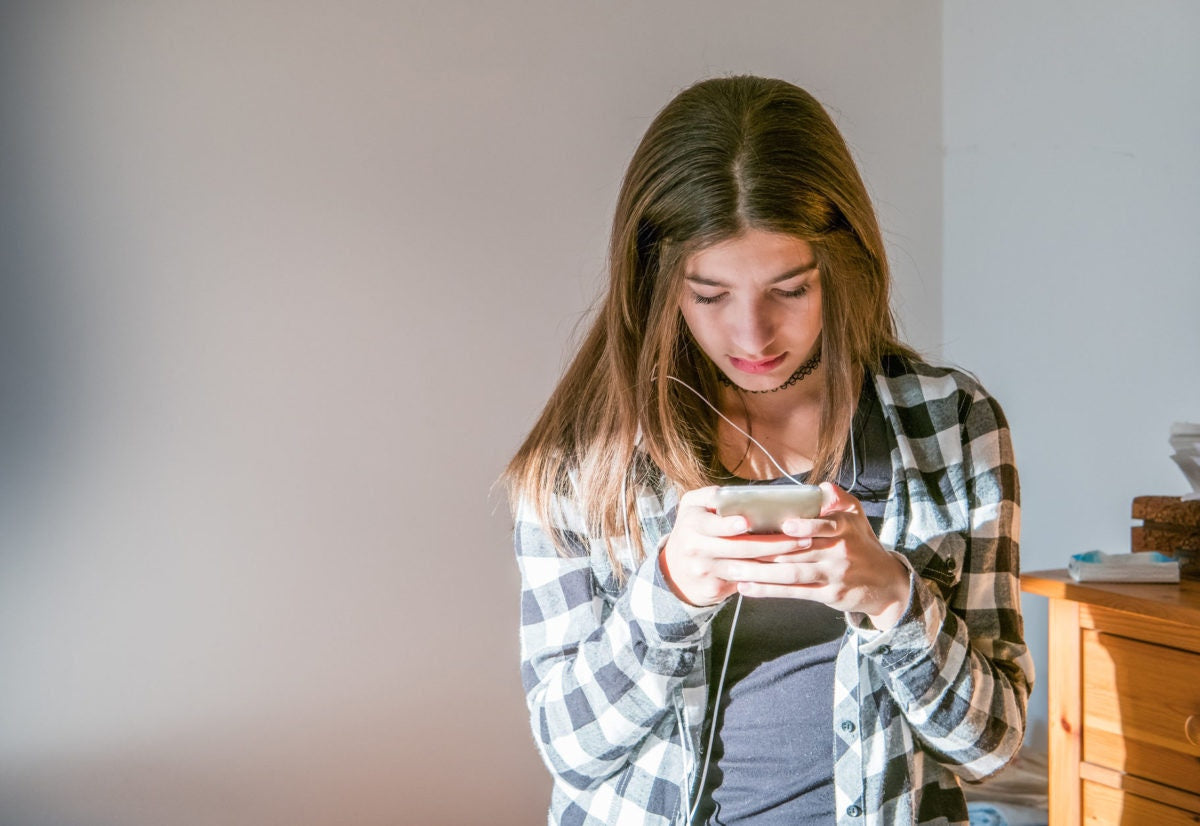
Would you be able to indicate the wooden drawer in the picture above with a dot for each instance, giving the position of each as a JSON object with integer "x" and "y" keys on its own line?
{"x": 1141, "y": 709}
{"x": 1104, "y": 805}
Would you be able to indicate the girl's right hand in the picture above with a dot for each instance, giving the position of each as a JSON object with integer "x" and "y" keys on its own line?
{"x": 702, "y": 545}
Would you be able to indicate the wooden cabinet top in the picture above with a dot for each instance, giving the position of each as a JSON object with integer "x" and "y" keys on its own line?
{"x": 1175, "y": 602}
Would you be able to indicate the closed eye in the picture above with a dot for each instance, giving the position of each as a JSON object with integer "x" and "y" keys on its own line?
{"x": 708, "y": 299}
{"x": 796, "y": 293}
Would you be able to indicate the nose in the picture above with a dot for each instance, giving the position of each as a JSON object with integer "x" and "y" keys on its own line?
{"x": 754, "y": 328}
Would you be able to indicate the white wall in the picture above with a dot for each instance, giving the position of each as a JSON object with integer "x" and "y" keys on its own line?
{"x": 1072, "y": 270}
{"x": 283, "y": 286}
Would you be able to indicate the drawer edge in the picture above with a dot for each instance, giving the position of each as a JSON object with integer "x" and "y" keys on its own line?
{"x": 1140, "y": 786}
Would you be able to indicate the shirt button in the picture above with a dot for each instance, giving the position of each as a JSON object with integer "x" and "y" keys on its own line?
{"x": 847, "y": 726}
{"x": 854, "y": 811}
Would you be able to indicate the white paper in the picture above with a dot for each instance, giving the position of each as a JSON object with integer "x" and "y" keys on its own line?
{"x": 1185, "y": 441}
{"x": 1145, "y": 566}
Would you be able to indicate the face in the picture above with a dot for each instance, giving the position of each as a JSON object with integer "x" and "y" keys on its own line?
{"x": 753, "y": 303}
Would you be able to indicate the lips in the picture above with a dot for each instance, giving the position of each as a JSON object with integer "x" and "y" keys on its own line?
{"x": 757, "y": 367}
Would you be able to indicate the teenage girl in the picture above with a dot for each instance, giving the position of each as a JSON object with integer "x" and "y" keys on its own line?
{"x": 853, "y": 668}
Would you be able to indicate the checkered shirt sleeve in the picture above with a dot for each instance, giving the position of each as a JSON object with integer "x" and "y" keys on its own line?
{"x": 601, "y": 667}
{"x": 956, "y": 666}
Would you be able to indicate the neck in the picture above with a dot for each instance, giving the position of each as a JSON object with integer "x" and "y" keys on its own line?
{"x": 766, "y": 408}
{"x": 786, "y": 423}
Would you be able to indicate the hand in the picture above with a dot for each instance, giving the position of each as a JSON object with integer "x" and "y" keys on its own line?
{"x": 840, "y": 564}
{"x": 705, "y": 549}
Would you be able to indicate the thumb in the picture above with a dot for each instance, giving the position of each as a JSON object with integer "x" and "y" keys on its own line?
{"x": 834, "y": 499}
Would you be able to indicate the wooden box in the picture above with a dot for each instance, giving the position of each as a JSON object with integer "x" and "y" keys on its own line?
{"x": 1170, "y": 526}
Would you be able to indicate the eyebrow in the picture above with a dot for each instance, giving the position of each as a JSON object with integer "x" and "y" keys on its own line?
{"x": 792, "y": 273}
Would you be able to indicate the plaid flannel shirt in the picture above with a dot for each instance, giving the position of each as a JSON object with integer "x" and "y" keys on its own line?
{"x": 615, "y": 675}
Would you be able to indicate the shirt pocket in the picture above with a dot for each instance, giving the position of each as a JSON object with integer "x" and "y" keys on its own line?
{"x": 943, "y": 563}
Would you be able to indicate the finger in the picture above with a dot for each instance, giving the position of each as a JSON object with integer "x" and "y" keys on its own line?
{"x": 769, "y": 573}
{"x": 709, "y": 524}
{"x": 699, "y": 508}
{"x": 700, "y": 497}
{"x": 809, "y": 528}
{"x": 834, "y": 499}
{"x": 813, "y": 593}
{"x": 754, "y": 546}
{"x": 805, "y": 552}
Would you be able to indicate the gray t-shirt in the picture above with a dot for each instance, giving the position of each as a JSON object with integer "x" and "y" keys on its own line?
{"x": 772, "y": 758}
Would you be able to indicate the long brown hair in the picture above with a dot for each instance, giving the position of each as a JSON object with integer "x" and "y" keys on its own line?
{"x": 724, "y": 156}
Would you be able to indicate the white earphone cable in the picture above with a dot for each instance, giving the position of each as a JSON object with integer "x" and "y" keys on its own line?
{"x": 712, "y": 730}
{"x": 758, "y": 444}
{"x": 737, "y": 609}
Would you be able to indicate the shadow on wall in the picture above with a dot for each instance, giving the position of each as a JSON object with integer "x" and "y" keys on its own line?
{"x": 30, "y": 374}
{"x": 355, "y": 767}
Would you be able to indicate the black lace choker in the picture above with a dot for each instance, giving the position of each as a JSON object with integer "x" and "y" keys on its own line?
{"x": 802, "y": 372}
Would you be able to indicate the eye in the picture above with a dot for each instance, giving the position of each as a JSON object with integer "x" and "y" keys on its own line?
{"x": 707, "y": 299}
{"x": 796, "y": 293}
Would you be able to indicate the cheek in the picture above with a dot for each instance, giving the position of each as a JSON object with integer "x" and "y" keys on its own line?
{"x": 699, "y": 325}
{"x": 809, "y": 316}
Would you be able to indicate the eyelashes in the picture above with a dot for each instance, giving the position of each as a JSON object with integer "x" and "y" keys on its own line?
{"x": 799, "y": 292}
{"x": 796, "y": 293}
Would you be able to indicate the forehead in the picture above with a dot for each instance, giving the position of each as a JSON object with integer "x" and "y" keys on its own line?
{"x": 752, "y": 255}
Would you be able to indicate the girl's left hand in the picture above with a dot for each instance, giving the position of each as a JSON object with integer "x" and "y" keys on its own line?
{"x": 844, "y": 566}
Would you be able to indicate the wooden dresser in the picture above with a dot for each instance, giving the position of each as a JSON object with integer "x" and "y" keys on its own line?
{"x": 1124, "y": 710}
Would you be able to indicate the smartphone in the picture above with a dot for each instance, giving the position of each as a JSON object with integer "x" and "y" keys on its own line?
{"x": 767, "y": 507}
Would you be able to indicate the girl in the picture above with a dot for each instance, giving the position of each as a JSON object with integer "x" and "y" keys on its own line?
{"x": 851, "y": 669}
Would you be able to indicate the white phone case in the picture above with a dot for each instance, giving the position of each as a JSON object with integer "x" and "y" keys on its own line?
{"x": 767, "y": 507}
